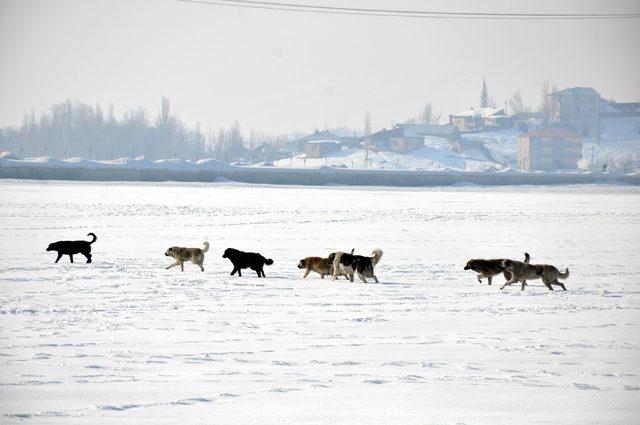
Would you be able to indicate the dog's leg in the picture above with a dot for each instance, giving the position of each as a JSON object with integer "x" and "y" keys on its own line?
{"x": 321, "y": 275}
{"x": 362, "y": 277}
{"x": 489, "y": 279}
{"x": 524, "y": 283}
{"x": 306, "y": 273}
{"x": 480, "y": 278}
{"x": 88, "y": 255}
{"x": 560, "y": 284}
{"x": 351, "y": 278}
{"x": 182, "y": 265}
{"x": 71, "y": 257}
{"x": 233, "y": 271}
{"x": 547, "y": 284}
{"x": 263, "y": 275}
{"x": 172, "y": 265}
{"x": 509, "y": 282}
{"x": 259, "y": 273}
{"x": 59, "y": 257}
{"x": 375, "y": 278}
{"x": 239, "y": 272}
{"x": 201, "y": 267}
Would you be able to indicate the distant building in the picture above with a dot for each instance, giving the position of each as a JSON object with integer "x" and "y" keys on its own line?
{"x": 447, "y": 131}
{"x": 577, "y": 108}
{"x": 266, "y": 153}
{"x": 397, "y": 139}
{"x": 612, "y": 109}
{"x": 475, "y": 120}
{"x": 323, "y": 136}
{"x": 320, "y": 148}
{"x": 404, "y": 138}
{"x": 549, "y": 149}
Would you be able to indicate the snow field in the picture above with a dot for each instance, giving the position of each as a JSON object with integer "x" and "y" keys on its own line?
{"x": 122, "y": 340}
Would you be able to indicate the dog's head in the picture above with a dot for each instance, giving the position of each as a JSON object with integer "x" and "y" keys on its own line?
{"x": 51, "y": 247}
{"x": 507, "y": 264}
{"x": 170, "y": 252}
{"x": 302, "y": 264}
{"x": 332, "y": 257}
{"x": 228, "y": 253}
{"x": 470, "y": 265}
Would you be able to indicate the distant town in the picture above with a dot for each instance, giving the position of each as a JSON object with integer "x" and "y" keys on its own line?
{"x": 573, "y": 129}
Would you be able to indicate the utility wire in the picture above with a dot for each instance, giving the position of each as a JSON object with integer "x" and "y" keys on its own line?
{"x": 335, "y": 10}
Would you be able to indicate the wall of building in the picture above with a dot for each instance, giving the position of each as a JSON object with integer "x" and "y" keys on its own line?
{"x": 580, "y": 112}
{"x": 548, "y": 154}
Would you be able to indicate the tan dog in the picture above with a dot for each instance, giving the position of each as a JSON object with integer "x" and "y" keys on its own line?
{"x": 320, "y": 265}
{"x": 195, "y": 255}
{"x": 521, "y": 272}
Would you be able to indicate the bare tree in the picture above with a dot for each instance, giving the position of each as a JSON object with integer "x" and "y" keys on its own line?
{"x": 547, "y": 104}
{"x": 516, "y": 104}
{"x": 425, "y": 117}
{"x": 428, "y": 116}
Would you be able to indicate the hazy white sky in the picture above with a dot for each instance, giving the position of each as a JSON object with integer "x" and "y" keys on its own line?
{"x": 286, "y": 71}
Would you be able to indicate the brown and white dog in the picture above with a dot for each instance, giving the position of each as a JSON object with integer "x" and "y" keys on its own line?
{"x": 195, "y": 255}
{"x": 349, "y": 265}
{"x": 320, "y": 265}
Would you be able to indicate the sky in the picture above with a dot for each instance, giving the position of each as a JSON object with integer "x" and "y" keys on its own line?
{"x": 284, "y": 72}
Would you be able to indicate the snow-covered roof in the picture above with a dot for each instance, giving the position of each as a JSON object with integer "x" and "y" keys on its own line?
{"x": 480, "y": 112}
{"x": 421, "y": 130}
{"x": 322, "y": 142}
{"x": 320, "y": 135}
{"x": 552, "y": 133}
{"x": 581, "y": 91}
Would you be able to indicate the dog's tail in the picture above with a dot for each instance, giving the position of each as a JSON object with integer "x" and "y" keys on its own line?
{"x": 352, "y": 249}
{"x": 268, "y": 261}
{"x": 206, "y": 247}
{"x": 95, "y": 238}
{"x": 526, "y": 258}
{"x": 376, "y": 255}
{"x": 563, "y": 275}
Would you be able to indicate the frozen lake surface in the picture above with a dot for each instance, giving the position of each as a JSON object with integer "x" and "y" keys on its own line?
{"x": 122, "y": 340}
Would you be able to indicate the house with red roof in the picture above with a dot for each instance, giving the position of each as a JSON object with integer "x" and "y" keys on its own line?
{"x": 549, "y": 149}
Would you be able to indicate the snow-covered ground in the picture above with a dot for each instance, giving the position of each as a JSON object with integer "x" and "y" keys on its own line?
{"x": 122, "y": 340}
{"x": 436, "y": 155}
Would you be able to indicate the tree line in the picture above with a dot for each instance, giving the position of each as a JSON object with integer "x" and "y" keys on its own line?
{"x": 76, "y": 129}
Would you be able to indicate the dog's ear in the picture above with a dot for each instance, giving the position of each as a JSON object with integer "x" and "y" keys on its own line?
{"x": 505, "y": 263}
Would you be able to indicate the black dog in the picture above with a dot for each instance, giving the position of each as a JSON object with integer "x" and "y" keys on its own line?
{"x": 246, "y": 260}
{"x": 489, "y": 268}
{"x": 73, "y": 247}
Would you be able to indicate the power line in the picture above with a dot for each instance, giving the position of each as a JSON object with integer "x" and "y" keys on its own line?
{"x": 398, "y": 13}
